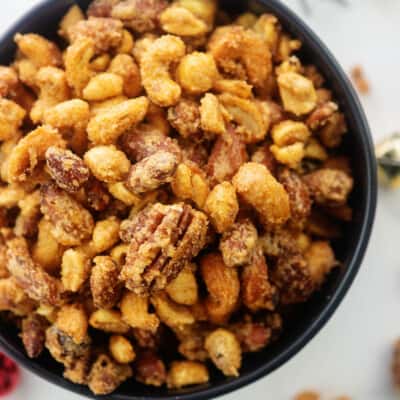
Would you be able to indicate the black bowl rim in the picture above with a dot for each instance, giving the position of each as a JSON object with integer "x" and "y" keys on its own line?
{"x": 318, "y": 47}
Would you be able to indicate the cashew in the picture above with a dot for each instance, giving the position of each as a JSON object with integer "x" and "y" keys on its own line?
{"x": 103, "y": 86}
{"x": 154, "y": 69}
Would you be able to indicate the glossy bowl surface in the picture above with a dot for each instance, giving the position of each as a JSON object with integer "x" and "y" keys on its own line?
{"x": 311, "y": 317}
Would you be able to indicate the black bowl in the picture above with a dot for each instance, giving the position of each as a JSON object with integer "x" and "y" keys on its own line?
{"x": 309, "y": 318}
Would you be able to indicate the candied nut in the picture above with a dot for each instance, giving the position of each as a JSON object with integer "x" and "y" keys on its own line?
{"x": 31, "y": 149}
{"x": 118, "y": 253}
{"x": 135, "y": 312}
{"x": 359, "y": 79}
{"x": 211, "y": 118}
{"x": 238, "y": 243}
{"x": 53, "y": 89}
{"x": 331, "y": 134}
{"x": 14, "y": 298}
{"x": 255, "y": 184}
{"x": 106, "y": 375}
{"x": 29, "y": 216}
{"x": 47, "y": 252}
{"x": 321, "y": 115}
{"x": 107, "y": 163}
{"x": 183, "y": 289}
{"x": 226, "y": 157}
{"x": 320, "y": 260}
{"x": 121, "y": 193}
{"x": 292, "y": 278}
{"x": 308, "y": 395}
{"x": 235, "y": 87}
{"x": 257, "y": 291}
{"x": 299, "y": 196}
{"x": 222, "y": 206}
{"x": 194, "y": 151}
{"x": 75, "y": 269}
{"x": 322, "y": 225}
{"x": 264, "y": 156}
{"x": 108, "y": 321}
{"x": 241, "y": 54}
{"x": 186, "y": 373}
{"x": 100, "y": 63}
{"x": 106, "y": 33}
{"x": 180, "y": 21}
{"x": 150, "y": 369}
{"x": 71, "y": 223}
{"x": 139, "y": 15}
{"x": 33, "y": 334}
{"x": 11, "y": 195}
{"x": 396, "y": 364}
{"x": 72, "y": 320}
{"x": 162, "y": 239}
{"x": 170, "y": 313}
{"x": 97, "y": 196}
{"x": 146, "y": 339}
{"x": 105, "y": 128}
{"x": 124, "y": 66}
{"x": 297, "y": 93}
{"x": 252, "y": 126}
{"x": 66, "y": 168}
{"x": 315, "y": 151}
{"x": 154, "y": 69}
{"x": 40, "y": 51}
{"x": 70, "y": 18}
{"x": 37, "y": 283}
{"x": 27, "y": 71}
{"x": 104, "y": 283}
{"x": 11, "y": 118}
{"x": 121, "y": 349}
{"x": 224, "y": 350}
{"x": 197, "y": 72}
{"x": 105, "y": 234}
{"x": 329, "y": 186}
{"x": 192, "y": 342}
{"x": 103, "y": 86}
{"x": 127, "y": 43}
{"x": 190, "y": 183}
{"x": 101, "y": 8}
{"x": 70, "y": 118}
{"x": 286, "y": 46}
{"x": 8, "y": 81}
{"x": 185, "y": 117}
{"x": 77, "y": 64}
{"x": 223, "y": 287}
{"x": 289, "y": 132}
{"x": 152, "y": 172}
{"x": 290, "y": 155}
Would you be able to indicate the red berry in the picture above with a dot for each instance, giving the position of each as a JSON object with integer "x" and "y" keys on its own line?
{"x": 9, "y": 375}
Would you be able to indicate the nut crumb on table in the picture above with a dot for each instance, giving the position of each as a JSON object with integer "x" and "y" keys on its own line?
{"x": 169, "y": 188}
{"x": 360, "y": 80}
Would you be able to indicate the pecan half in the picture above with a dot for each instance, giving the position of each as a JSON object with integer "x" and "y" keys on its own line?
{"x": 162, "y": 239}
{"x": 33, "y": 334}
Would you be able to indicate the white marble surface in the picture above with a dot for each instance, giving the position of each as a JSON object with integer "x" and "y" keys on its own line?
{"x": 351, "y": 355}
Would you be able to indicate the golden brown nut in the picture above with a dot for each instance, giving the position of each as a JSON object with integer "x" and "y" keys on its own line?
{"x": 180, "y": 21}
{"x": 121, "y": 349}
{"x": 154, "y": 69}
{"x": 152, "y": 172}
{"x": 75, "y": 269}
{"x": 222, "y": 206}
{"x": 190, "y": 183}
{"x": 105, "y": 234}
{"x": 103, "y": 86}
{"x": 33, "y": 334}
{"x": 37, "y": 283}
{"x": 105, "y": 128}
{"x": 135, "y": 312}
{"x": 329, "y": 186}
{"x": 290, "y": 155}
{"x": 31, "y": 149}
{"x": 224, "y": 350}
{"x": 235, "y": 87}
{"x": 104, "y": 283}
{"x": 223, "y": 287}
{"x": 106, "y": 33}
{"x": 241, "y": 53}
{"x": 185, "y": 117}
{"x": 72, "y": 223}
{"x": 66, "y": 168}
{"x": 70, "y": 18}
{"x": 26, "y": 224}
{"x": 289, "y": 132}
{"x": 11, "y": 117}
{"x": 263, "y": 155}
{"x": 14, "y": 298}
{"x": 254, "y": 183}
{"x": 107, "y": 163}
{"x": 186, "y": 373}
{"x": 72, "y": 320}
{"x": 226, "y": 157}
{"x": 108, "y": 321}
{"x": 106, "y": 375}
{"x": 183, "y": 289}
{"x": 150, "y": 369}
{"x": 211, "y": 117}
{"x": 197, "y": 72}
{"x": 238, "y": 243}
{"x": 332, "y": 133}
{"x": 257, "y": 291}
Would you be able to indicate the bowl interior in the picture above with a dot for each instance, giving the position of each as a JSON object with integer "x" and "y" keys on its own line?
{"x": 306, "y": 319}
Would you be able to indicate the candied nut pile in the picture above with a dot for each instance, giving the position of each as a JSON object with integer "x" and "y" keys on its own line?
{"x": 171, "y": 178}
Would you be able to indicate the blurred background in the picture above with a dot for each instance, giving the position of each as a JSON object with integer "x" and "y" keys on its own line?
{"x": 352, "y": 354}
